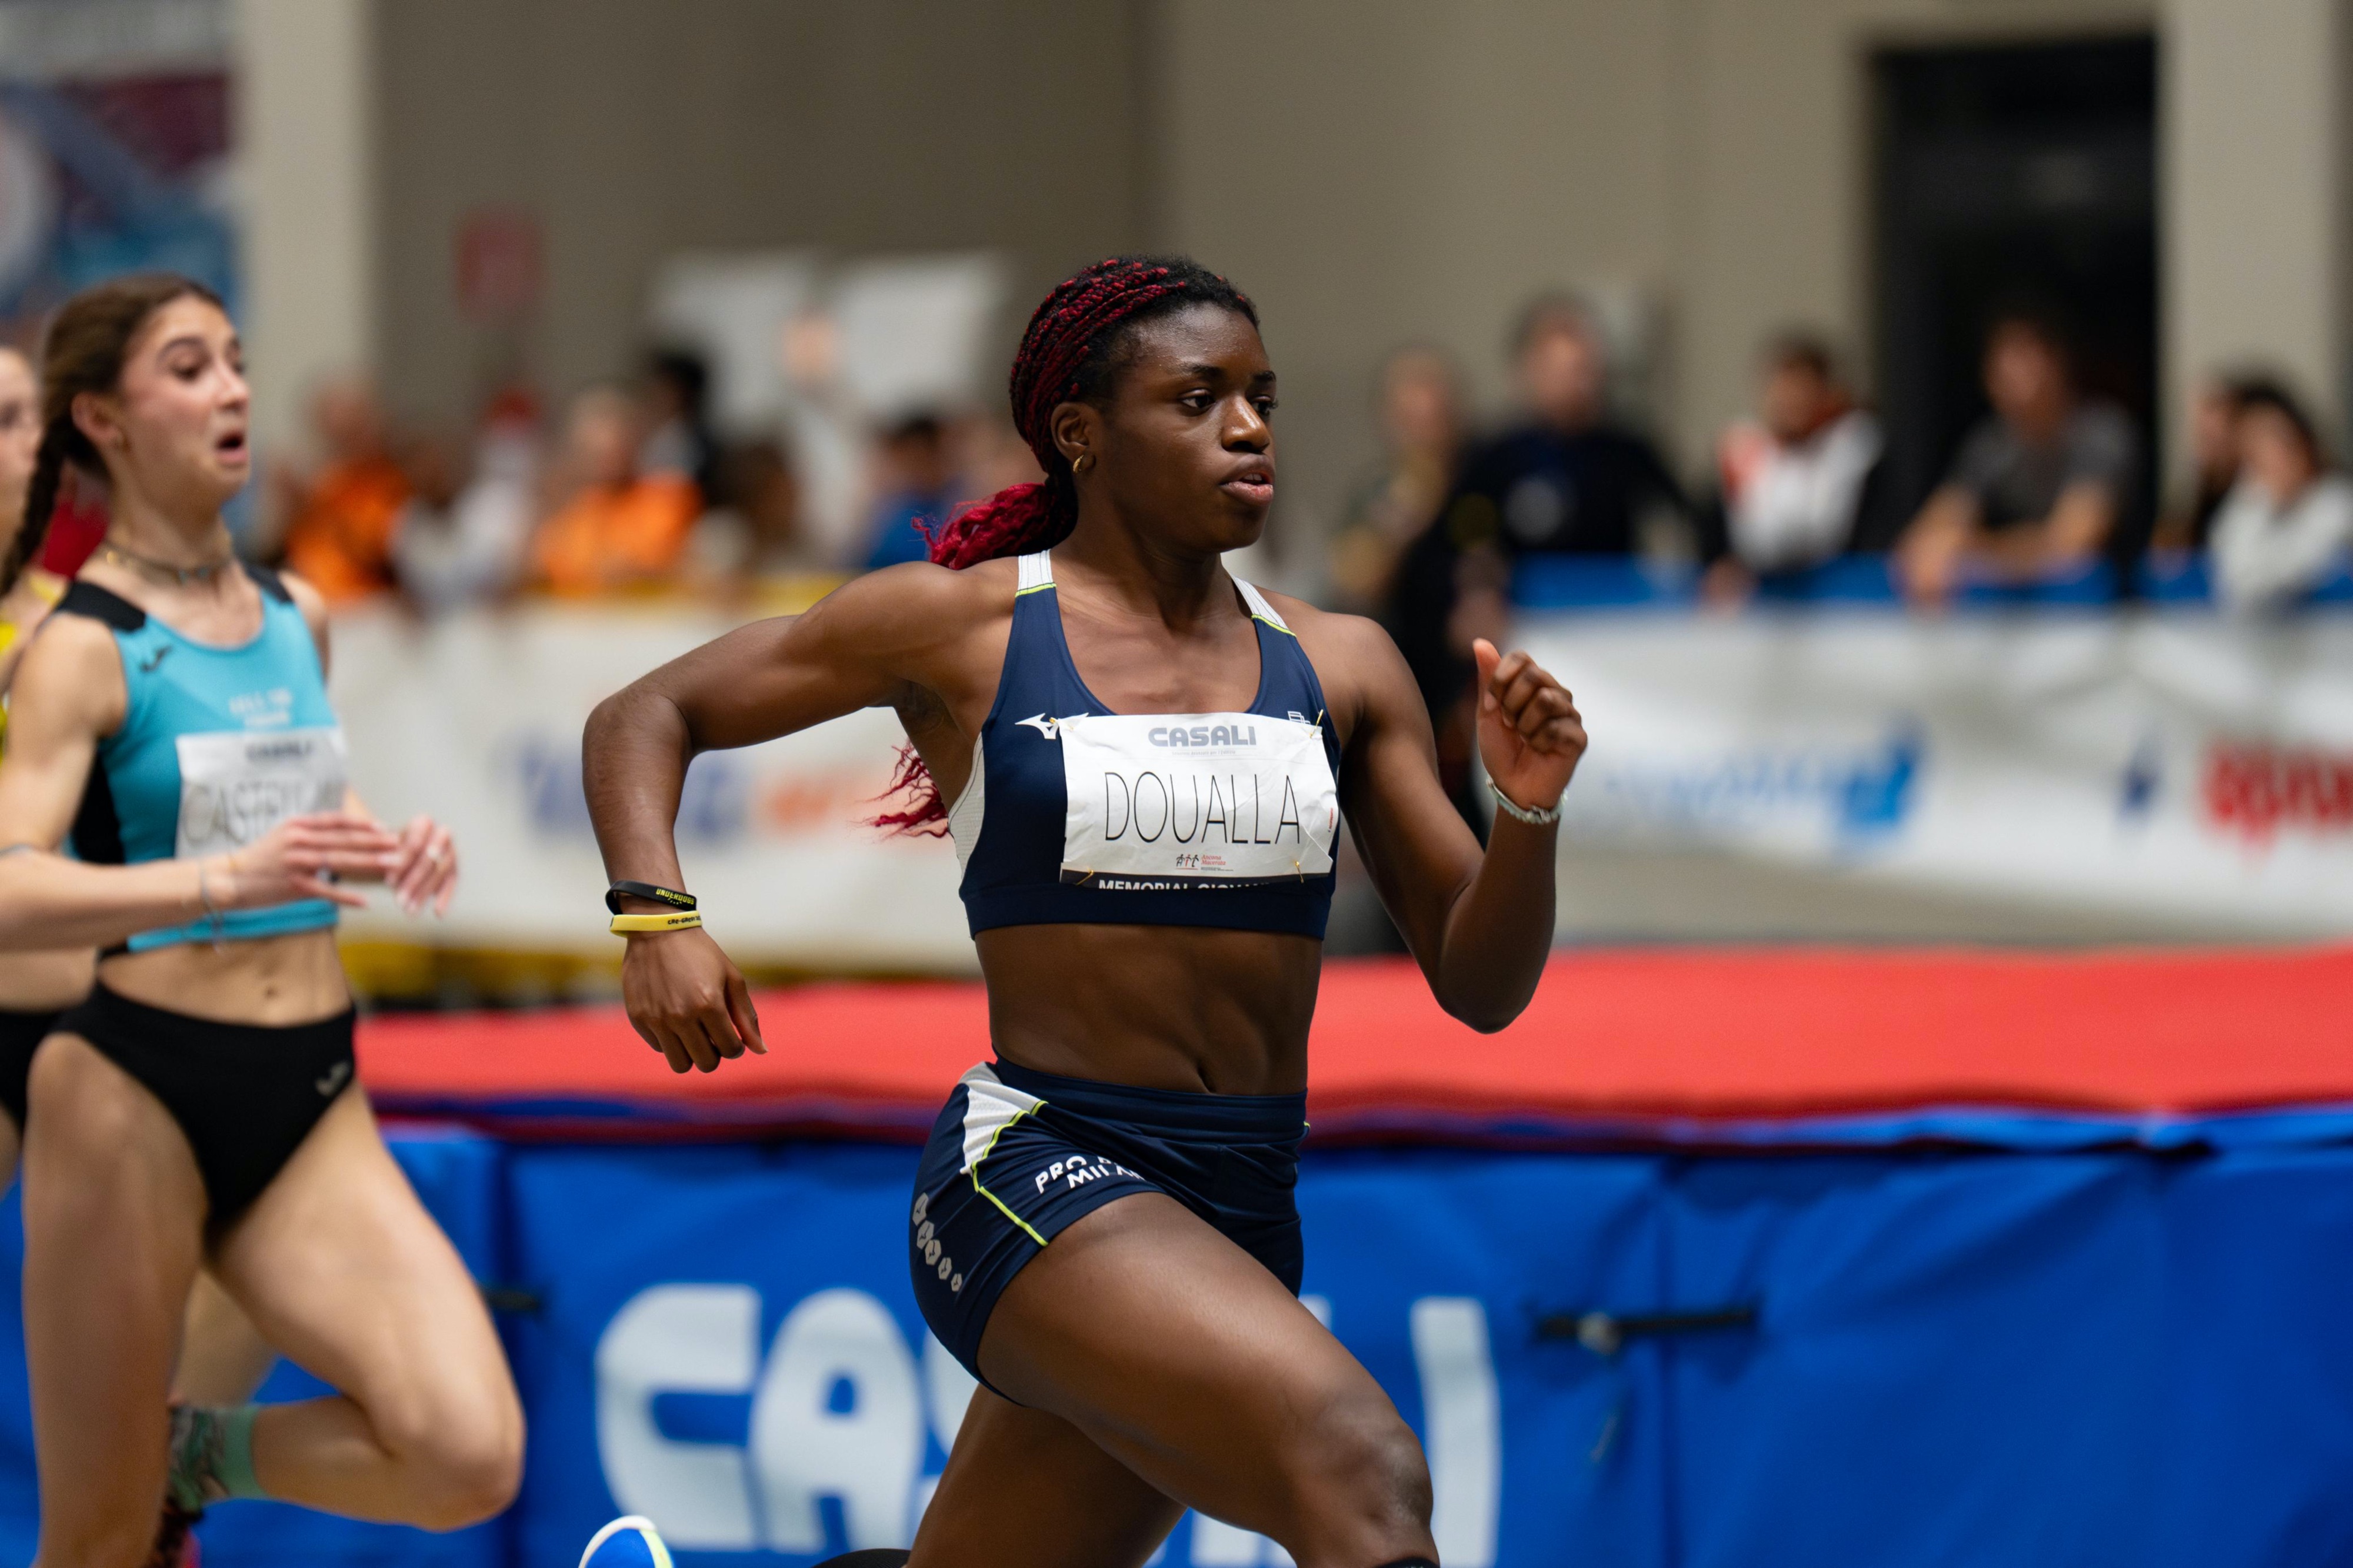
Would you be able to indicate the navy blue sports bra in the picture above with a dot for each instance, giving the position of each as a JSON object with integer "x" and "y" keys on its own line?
{"x": 1075, "y": 815}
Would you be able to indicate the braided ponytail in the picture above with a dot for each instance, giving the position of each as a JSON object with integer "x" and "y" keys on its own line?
{"x": 88, "y": 340}
{"x": 1074, "y": 352}
{"x": 40, "y": 502}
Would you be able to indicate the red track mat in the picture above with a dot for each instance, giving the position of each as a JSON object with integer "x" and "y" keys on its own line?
{"x": 1613, "y": 1038}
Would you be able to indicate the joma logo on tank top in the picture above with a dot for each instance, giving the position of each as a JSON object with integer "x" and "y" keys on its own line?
{"x": 1163, "y": 802}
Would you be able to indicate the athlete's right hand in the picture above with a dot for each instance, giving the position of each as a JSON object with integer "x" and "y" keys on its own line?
{"x": 301, "y": 858}
{"x": 688, "y": 1000}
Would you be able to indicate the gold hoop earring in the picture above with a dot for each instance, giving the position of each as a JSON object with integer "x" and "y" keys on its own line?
{"x": 1079, "y": 464}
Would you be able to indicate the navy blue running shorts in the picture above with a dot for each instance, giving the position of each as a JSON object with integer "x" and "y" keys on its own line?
{"x": 1016, "y": 1157}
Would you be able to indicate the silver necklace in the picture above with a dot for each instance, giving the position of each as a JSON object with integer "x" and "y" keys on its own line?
{"x": 163, "y": 571}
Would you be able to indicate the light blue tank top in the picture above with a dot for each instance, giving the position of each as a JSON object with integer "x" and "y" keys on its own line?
{"x": 218, "y": 746}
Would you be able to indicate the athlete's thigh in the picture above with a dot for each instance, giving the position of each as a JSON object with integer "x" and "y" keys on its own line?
{"x": 340, "y": 1267}
{"x": 1180, "y": 1356}
{"x": 1027, "y": 1490}
{"x": 114, "y": 1215}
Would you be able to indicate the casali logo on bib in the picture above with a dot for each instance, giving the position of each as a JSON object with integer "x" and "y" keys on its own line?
{"x": 1203, "y": 735}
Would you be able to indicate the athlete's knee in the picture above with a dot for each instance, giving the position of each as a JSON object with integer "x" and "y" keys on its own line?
{"x": 463, "y": 1455}
{"x": 1363, "y": 1472}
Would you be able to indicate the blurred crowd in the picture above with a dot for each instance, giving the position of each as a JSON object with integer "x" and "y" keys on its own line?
{"x": 628, "y": 491}
{"x": 2049, "y": 484}
{"x": 2050, "y": 488}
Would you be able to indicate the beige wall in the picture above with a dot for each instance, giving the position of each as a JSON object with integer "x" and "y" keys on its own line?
{"x": 1373, "y": 170}
{"x": 634, "y": 129}
{"x": 306, "y": 148}
{"x": 1384, "y": 170}
{"x": 2255, "y": 164}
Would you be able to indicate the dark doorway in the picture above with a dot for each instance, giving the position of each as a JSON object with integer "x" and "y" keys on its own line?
{"x": 2019, "y": 173}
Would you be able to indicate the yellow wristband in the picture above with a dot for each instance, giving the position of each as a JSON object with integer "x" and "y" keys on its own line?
{"x": 675, "y": 920}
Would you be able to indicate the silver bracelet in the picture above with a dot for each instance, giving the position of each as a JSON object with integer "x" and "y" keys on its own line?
{"x": 1514, "y": 808}
{"x": 212, "y": 909}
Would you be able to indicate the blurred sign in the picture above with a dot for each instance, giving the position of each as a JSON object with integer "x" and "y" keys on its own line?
{"x": 110, "y": 172}
{"x": 477, "y": 721}
{"x": 95, "y": 38}
{"x": 499, "y": 269}
{"x": 2000, "y": 776}
{"x": 1860, "y": 777}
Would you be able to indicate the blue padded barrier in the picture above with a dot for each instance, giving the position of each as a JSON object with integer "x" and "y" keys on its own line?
{"x": 1894, "y": 1355}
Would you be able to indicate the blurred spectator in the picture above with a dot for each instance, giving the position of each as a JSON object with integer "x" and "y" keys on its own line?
{"x": 992, "y": 455}
{"x": 755, "y": 533}
{"x": 1419, "y": 408}
{"x": 2039, "y": 486}
{"x": 676, "y": 393}
{"x": 461, "y": 536}
{"x": 2288, "y": 525}
{"x": 1567, "y": 481}
{"x": 2214, "y": 452}
{"x": 620, "y": 527}
{"x": 915, "y": 488}
{"x": 1795, "y": 483}
{"x": 339, "y": 538}
{"x": 20, "y": 445}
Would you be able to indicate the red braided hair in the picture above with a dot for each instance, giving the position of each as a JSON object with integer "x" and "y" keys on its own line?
{"x": 1071, "y": 353}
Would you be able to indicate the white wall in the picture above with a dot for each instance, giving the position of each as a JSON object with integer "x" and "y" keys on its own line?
{"x": 308, "y": 166}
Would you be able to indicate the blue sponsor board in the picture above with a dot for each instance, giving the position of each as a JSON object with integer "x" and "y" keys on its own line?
{"x": 1870, "y": 1356}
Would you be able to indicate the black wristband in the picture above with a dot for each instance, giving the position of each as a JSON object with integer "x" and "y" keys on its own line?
{"x": 669, "y": 896}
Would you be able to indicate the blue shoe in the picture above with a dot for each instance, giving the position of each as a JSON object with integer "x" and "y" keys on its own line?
{"x": 631, "y": 1542}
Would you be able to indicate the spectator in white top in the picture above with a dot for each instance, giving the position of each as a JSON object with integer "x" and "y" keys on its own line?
{"x": 1793, "y": 482}
{"x": 463, "y": 533}
{"x": 2287, "y": 525}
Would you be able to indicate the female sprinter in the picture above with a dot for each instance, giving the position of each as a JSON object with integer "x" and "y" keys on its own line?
{"x": 222, "y": 1359}
{"x": 1147, "y": 760}
{"x": 197, "y": 1110}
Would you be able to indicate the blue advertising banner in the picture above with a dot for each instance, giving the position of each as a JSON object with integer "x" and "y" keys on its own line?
{"x": 1635, "y": 1358}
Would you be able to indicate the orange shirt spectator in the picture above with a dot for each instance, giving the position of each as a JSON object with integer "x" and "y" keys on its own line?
{"x": 608, "y": 538}
{"x": 341, "y": 540}
{"x": 339, "y": 537}
{"x": 620, "y": 527}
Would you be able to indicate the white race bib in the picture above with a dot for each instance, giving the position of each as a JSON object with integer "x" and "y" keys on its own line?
{"x": 236, "y": 786}
{"x": 1195, "y": 800}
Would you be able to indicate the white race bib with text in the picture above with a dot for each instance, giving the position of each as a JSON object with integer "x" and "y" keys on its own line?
{"x": 237, "y": 785}
{"x": 1165, "y": 802}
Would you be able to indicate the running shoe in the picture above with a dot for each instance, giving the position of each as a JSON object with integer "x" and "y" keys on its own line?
{"x": 631, "y": 1542}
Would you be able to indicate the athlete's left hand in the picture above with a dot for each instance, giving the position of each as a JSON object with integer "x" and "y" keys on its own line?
{"x": 424, "y": 868}
{"x": 1530, "y": 734}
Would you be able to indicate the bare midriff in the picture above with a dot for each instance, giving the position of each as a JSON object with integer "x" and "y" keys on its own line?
{"x": 274, "y": 981}
{"x": 1177, "y": 1008}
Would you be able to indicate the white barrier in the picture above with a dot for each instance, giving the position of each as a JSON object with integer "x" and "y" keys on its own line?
{"x": 1866, "y": 775}
{"x": 478, "y": 719}
{"x": 1850, "y": 774}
